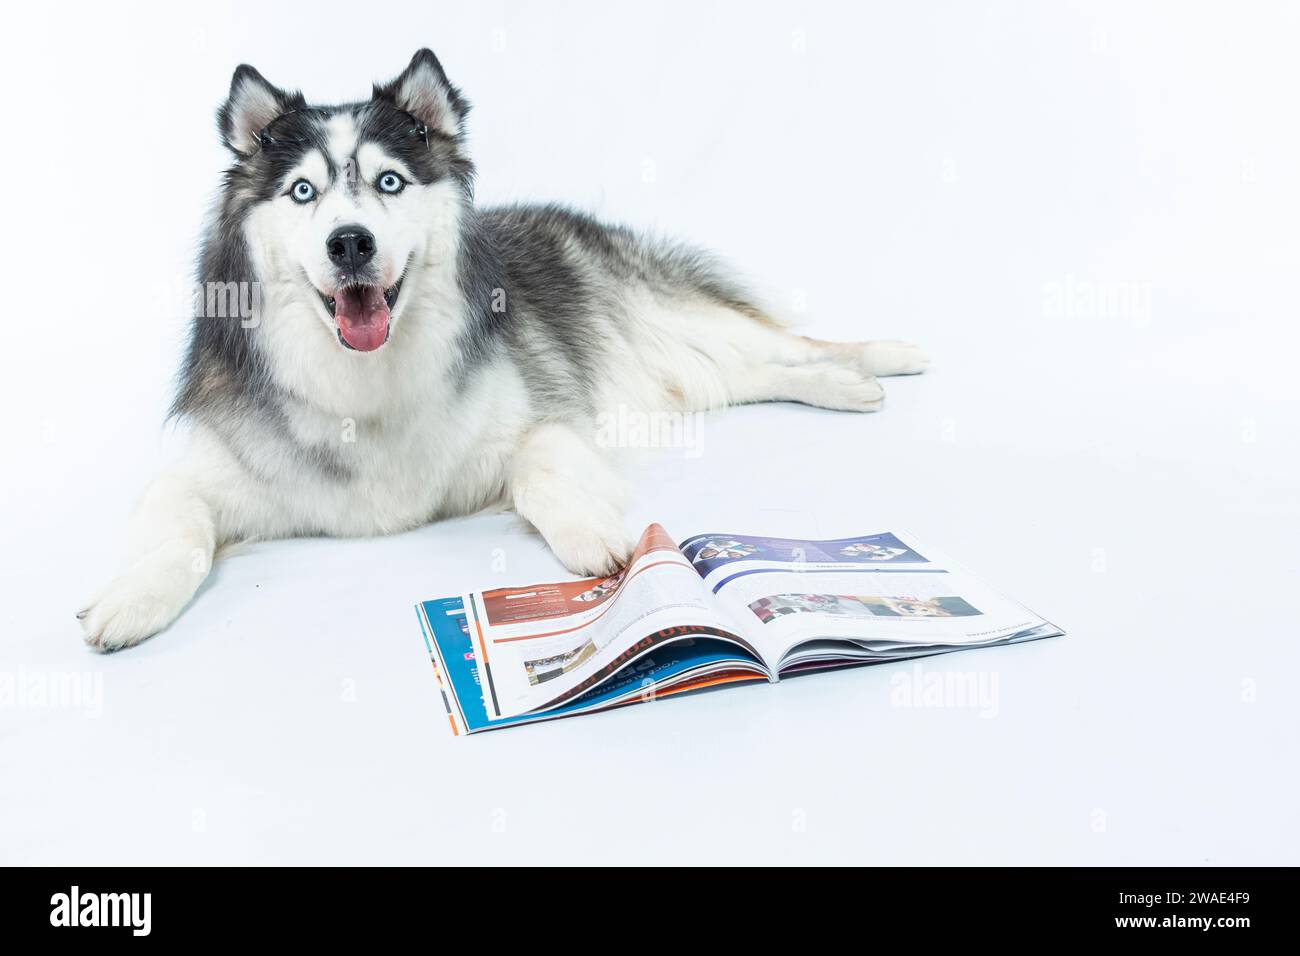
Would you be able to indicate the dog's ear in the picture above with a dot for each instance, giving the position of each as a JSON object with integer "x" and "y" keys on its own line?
{"x": 424, "y": 91}
{"x": 252, "y": 105}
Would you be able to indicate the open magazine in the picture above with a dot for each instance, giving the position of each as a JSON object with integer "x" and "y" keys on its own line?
{"x": 716, "y": 609}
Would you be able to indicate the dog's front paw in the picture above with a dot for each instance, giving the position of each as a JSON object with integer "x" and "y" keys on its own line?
{"x": 591, "y": 548}
{"x": 136, "y": 605}
{"x": 893, "y": 358}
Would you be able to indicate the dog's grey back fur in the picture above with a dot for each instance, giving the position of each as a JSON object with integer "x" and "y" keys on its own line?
{"x": 564, "y": 271}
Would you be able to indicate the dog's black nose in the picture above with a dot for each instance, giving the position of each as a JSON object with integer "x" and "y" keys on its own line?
{"x": 350, "y": 247}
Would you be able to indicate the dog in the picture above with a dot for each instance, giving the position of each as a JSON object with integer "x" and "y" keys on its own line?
{"x": 412, "y": 357}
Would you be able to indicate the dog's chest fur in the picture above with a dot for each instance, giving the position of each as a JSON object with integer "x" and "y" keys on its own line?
{"x": 404, "y": 468}
{"x": 361, "y": 445}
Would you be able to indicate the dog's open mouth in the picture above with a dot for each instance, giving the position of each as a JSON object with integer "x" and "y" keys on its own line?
{"x": 361, "y": 313}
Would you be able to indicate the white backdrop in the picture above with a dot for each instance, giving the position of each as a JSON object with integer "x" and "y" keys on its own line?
{"x": 1085, "y": 211}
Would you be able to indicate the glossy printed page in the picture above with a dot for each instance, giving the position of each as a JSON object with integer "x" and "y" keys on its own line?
{"x": 543, "y": 645}
{"x": 880, "y": 590}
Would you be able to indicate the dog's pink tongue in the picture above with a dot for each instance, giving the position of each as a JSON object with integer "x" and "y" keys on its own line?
{"x": 362, "y": 315}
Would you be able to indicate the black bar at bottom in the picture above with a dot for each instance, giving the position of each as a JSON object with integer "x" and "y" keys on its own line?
{"x": 336, "y": 905}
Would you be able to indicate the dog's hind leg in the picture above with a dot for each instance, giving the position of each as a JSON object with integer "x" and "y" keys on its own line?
{"x": 882, "y": 357}
{"x": 764, "y": 362}
{"x": 824, "y": 386}
{"x": 170, "y": 543}
{"x": 562, "y": 486}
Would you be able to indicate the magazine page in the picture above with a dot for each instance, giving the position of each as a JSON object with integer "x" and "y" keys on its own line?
{"x": 885, "y": 592}
{"x": 673, "y": 668}
{"x": 542, "y": 646}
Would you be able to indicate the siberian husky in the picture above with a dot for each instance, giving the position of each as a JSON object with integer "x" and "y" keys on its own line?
{"x": 412, "y": 357}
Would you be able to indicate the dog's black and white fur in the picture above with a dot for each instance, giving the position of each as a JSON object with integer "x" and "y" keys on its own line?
{"x": 415, "y": 357}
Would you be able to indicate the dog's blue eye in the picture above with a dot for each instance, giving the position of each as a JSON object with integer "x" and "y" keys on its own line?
{"x": 303, "y": 191}
{"x": 391, "y": 183}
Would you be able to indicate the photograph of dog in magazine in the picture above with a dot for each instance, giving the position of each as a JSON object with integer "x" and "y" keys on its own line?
{"x": 484, "y": 366}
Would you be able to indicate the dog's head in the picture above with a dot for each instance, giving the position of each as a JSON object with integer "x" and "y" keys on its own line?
{"x": 339, "y": 202}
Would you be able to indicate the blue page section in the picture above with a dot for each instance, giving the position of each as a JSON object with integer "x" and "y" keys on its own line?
{"x": 709, "y": 551}
{"x": 451, "y": 632}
